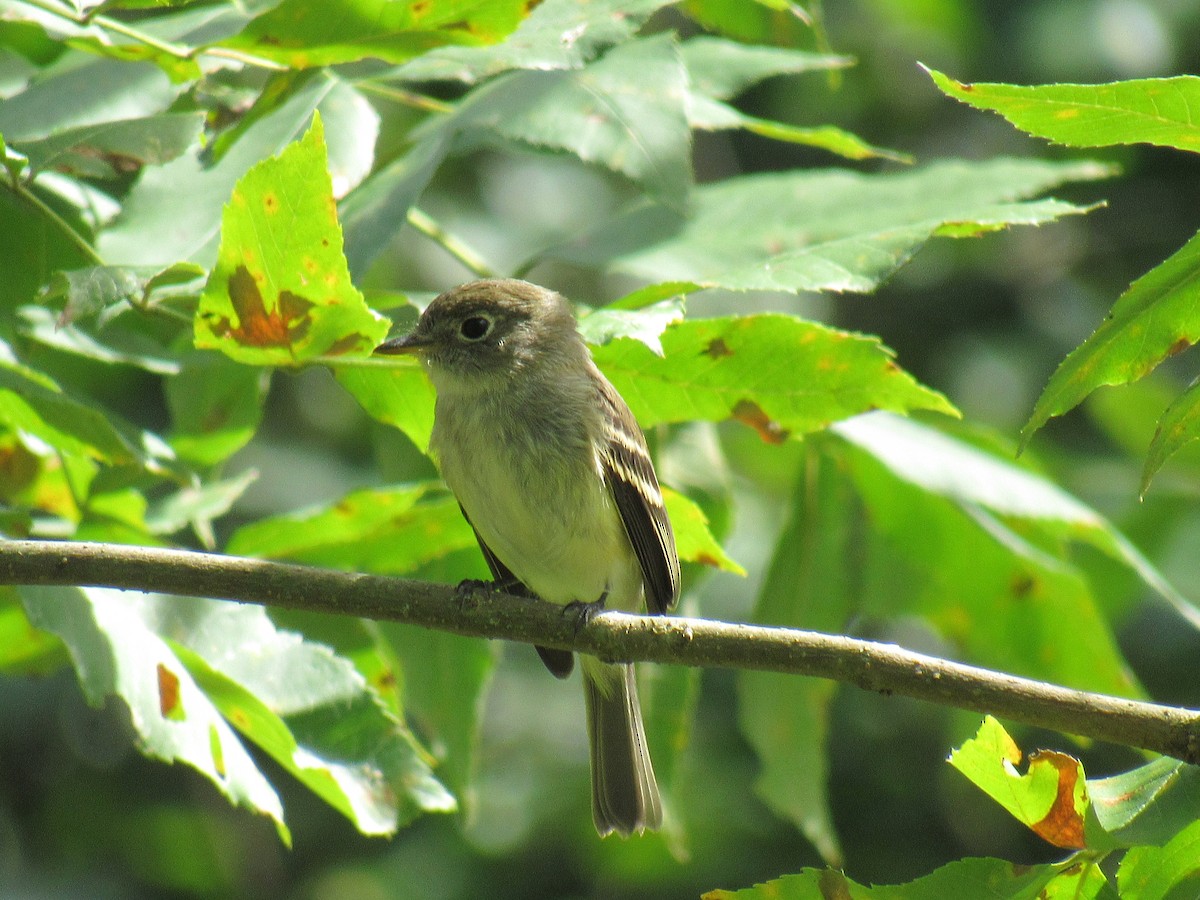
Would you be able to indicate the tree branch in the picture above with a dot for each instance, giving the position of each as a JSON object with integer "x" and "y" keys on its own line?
{"x": 884, "y": 668}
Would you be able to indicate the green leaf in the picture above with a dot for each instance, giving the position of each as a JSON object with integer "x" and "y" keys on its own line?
{"x": 311, "y": 710}
{"x": 961, "y": 538}
{"x": 707, "y": 114}
{"x": 196, "y": 506}
{"x": 557, "y": 34}
{"x": 373, "y": 213}
{"x": 116, "y": 653}
{"x": 24, "y": 649}
{"x": 216, "y": 406}
{"x": 95, "y": 93}
{"x": 1152, "y": 321}
{"x": 351, "y": 122}
{"x": 95, "y": 291}
{"x": 33, "y": 403}
{"x": 1050, "y": 798}
{"x": 827, "y": 230}
{"x": 645, "y": 324}
{"x": 155, "y": 229}
{"x": 786, "y": 719}
{"x": 446, "y": 681}
{"x": 1179, "y": 425}
{"x": 1159, "y": 873}
{"x": 110, "y": 149}
{"x": 1161, "y": 111}
{"x": 722, "y": 69}
{"x": 118, "y": 346}
{"x": 972, "y": 478}
{"x": 625, "y": 111}
{"x": 398, "y": 394}
{"x": 281, "y": 293}
{"x": 963, "y": 878}
{"x": 35, "y": 245}
{"x": 780, "y": 375}
{"x": 760, "y": 22}
{"x": 1147, "y": 805}
{"x": 390, "y": 531}
{"x": 694, "y": 542}
{"x": 293, "y": 33}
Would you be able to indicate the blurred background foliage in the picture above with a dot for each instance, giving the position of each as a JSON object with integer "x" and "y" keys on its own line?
{"x": 985, "y": 320}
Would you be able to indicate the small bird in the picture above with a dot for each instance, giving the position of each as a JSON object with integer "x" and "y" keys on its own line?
{"x": 552, "y": 471}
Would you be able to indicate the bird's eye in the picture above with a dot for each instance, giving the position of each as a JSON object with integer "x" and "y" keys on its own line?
{"x": 475, "y": 328}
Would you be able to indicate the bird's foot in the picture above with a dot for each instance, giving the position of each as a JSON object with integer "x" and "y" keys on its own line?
{"x": 584, "y": 612}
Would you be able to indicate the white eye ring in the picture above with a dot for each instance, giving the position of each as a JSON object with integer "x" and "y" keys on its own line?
{"x": 475, "y": 328}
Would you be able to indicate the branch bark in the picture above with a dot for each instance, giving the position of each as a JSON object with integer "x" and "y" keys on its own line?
{"x": 677, "y": 640}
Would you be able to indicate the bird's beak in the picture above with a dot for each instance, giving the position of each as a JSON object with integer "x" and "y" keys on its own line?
{"x": 408, "y": 344}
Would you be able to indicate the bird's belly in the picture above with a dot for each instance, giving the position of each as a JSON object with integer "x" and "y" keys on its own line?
{"x": 559, "y": 532}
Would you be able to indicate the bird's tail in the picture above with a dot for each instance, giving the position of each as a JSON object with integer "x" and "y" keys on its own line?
{"x": 624, "y": 793}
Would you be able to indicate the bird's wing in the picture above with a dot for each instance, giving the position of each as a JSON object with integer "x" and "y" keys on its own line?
{"x": 559, "y": 662}
{"x": 634, "y": 486}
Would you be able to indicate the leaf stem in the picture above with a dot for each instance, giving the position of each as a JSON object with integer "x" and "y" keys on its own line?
{"x": 451, "y": 244}
{"x": 116, "y": 26}
{"x": 405, "y": 97}
{"x": 58, "y": 221}
{"x": 612, "y": 636}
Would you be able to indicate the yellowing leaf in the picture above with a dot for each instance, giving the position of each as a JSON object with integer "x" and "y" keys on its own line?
{"x": 281, "y": 293}
{"x": 1050, "y": 798}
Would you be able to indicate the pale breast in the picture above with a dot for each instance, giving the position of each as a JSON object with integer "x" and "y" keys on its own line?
{"x": 537, "y": 497}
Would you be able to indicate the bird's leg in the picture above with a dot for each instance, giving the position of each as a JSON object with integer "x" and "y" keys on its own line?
{"x": 585, "y": 611}
{"x": 466, "y": 589}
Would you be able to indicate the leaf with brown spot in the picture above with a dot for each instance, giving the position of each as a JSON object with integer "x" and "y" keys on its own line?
{"x": 1062, "y": 826}
{"x": 257, "y": 326}
{"x": 281, "y": 293}
{"x": 169, "y": 704}
{"x": 779, "y": 374}
{"x": 717, "y": 348}
{"x": 1050, "y": 798}
{"x": 750, "y": 413}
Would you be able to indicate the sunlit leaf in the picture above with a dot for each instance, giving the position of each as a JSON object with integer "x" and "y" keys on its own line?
{"x": 113, "y": 148}
{"x": 826, "y": 230}
{"x": 557, "y": 34}
{"x": 1152, "y": 321}
{"x": 962, "y": 878}
{"x": 309, "y": 709}
{"x": 1147, "y": 805}
{"x": 398, "y": 394}
{"x": 1050, "y": 798}
{"x": 625, "y": 111}
{"x": 1179, "y": 425}
{"x": 1162, "y": 111}
{"x": 388, "y": 531}
{"x": 117, "y": 654}
{"x": 973, "y": 478}
{"x": 281, "y": 293}
{"x": 707, "y": 114}
{"x": 34, "y": 404}
{"x": 645, "y": 324}
{"x": 693, "y": 539}
{"x": 24, "y": 649}
{"x": 1163, "y": 872}
{"x": 780, "y": 375}
{"x": 350, "y": 30}
{"x": 118, "y": 346}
